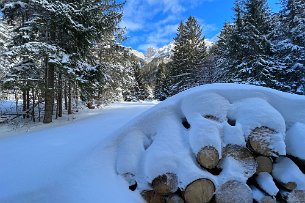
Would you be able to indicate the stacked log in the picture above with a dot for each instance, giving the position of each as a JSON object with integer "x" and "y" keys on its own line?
{"x": 261, "y": 170}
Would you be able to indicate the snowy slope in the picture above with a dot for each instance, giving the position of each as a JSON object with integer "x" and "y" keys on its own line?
{"x": 67, "y": 164}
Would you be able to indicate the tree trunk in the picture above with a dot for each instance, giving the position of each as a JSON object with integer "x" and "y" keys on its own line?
{"x": 201, "y": 190}
{"x": 76, "y": 97}
{"x": 33, "y": 105}
{"x": 66, "y": 96}
{"x": 49, "y": 93}
{"x": 28, "y": 103}
{"x": 59, "y": 96}
{"x": 69, "y": 98}
{"x": 24, "y": 102}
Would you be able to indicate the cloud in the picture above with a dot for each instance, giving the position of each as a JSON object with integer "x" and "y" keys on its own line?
{"x": 130, "y": 25}
{"x": 154, "y": 22}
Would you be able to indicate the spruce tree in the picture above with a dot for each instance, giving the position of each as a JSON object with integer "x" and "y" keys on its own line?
{"x": 61, "y": 35}
{"x": 289, "y": 39}
{"x": 5, "y": 38}
{"x": 258, "y": 65}
{"x": 188, "y": 56}
{"x": 161, "y": 83}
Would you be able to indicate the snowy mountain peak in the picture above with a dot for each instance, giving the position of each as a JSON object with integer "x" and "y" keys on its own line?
{"x": 137, "y": 54}
{"x": 164, "y": 52}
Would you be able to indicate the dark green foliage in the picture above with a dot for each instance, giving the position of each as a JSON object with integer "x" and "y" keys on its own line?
{"x": 246, "y": 48}
{"x": 161, "y": 86}
{"x": 289, "y": 40}
{"x": 188, "y": 57}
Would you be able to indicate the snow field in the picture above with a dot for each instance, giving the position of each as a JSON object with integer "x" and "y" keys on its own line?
{"x": 217, "y": 115}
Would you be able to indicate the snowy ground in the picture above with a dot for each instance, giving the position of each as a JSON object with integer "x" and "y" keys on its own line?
{"x": 78, "y": 161}
{"x": 66, "y": 163}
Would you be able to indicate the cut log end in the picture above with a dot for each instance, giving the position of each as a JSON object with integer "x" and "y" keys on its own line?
{"x": 208, "y": 157}
{"x": 174, "y": 199}
{"x": 264, "y": 164}
{"x": 243, "y": 156}
{"x": 259, "y": 140}
{"x": 201, "y": 190}
{"x": 296, "y": 196}
{"x": 289, "y": 186}
{"x": 234, "y": 191}
{"x": 151, "y": 196}
{"x": 165, "y": 184}
{"x": 268, "y": 199}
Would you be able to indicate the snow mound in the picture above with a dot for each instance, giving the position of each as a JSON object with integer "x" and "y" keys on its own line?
{"x": 167, "y": 138}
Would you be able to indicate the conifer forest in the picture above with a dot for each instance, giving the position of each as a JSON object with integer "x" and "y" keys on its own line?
{"x": 56, "y": 54}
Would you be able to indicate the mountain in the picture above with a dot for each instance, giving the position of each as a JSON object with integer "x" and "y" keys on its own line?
{"x": 162, "y": 54}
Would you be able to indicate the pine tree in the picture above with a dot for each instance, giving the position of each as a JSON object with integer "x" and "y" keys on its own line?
{"x": 161, "y": 91}
{"x": 61, "y": 36}
{"x": 141, "y": 92}
{"x": 258, "y": 65}
{"x": 224, "y": 51}
{"x": 188, "y": 56}
{"x": 4, "y": 38}
{"x": 288, "y": 35}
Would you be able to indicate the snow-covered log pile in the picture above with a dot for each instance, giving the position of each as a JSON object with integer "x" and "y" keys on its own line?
{"x": 222, "y": 142}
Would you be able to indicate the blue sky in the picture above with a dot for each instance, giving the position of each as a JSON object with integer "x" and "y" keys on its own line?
{"x": 153, "y": 23}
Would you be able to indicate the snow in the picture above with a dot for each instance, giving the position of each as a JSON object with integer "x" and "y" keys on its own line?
{"x": 259, "y": 113}
{"x": 257, "y": 194}
{"x": 295, "y": 141}
{"x": 68, "y": 163}
{"x": 172, "y": 148}
{"x": 91, "y": 159}
{"x": 265, "y": 181}
{"x": 285, "y": 170}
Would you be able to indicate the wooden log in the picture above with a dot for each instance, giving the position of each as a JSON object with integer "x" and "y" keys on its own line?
{"x": 151, "y": 196}
{"x": 174, "y": 199}
{"x": 201, "y": 190}
{"x": 296, "y": 196}
{"x": 243, "y": 156}
{"x": 165, "y": 184}
{"x": 208, "y": 157}
{"x": 234, "y": 191}
{"x": 288, "y": 186}
{"x": 264, "y": 164}
{"x": 260, "y": 140}
{"x": 267, "y": 199}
